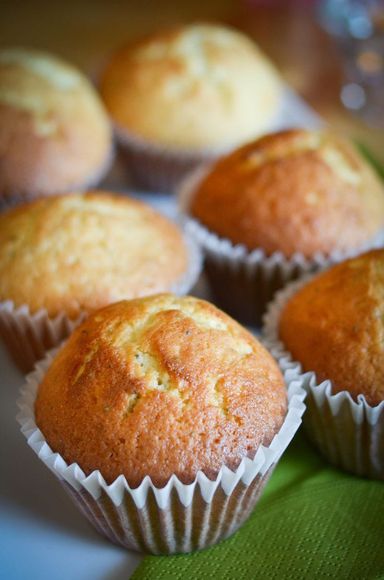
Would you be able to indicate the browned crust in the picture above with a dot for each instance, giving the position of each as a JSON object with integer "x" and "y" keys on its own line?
{"x": 160, "y": 386}
{"x": 292, "y": 191}
{"x": 82, "y": 251}
{"x": 334, "y": 326}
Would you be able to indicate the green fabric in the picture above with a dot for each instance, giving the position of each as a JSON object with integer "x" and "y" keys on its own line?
{"x": 378, "y": 166}
{"x": 312, "y": 521}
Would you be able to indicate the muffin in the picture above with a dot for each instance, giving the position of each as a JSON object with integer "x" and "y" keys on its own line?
{"x": 184, "y": 95}
{"x": 333, "y": 327}
{"x": 168, "y": 394}
{"x": 55, "y": 135}
{"x": 64, "y": 256}
{"x": 288, "y": 203}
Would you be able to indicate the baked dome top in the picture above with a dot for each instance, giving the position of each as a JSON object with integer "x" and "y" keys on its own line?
{"x": 197, "y": 86}
{"x": 54, "y": 131}
{"x": 334, "y": 326}
{"x": 292, "y": 191}
{"x": 82, "y": 251}
{"x": 159, "y": 386}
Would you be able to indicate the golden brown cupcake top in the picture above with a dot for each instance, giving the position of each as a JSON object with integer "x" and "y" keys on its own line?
{"x": 292, "y": 191}
{"x": 160, "y": 386}
{"x": 54, "y": 131}
{"x": 196, "y": 86}
{"x": 83, "y": 251}
{"x": 334, "y": 326}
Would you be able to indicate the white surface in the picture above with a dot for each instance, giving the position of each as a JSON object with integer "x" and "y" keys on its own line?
{"x": 42, "y": 534}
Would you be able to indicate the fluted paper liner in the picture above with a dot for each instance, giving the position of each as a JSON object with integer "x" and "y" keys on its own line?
{"x": 29, "y": 336}
{"x": 243, "y": 282}
{"x": 178, "y": 517}
{"x": 156, "y": 168}
{"x": 349, "y": 433}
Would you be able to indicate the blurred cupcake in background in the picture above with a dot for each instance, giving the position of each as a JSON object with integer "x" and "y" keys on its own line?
{"x": 329, "y": 331}
{"x": 54, "y": 132}
{"x": 63, "y": 257}
{"x": 185, "y": 95}
{"x": 289, "y": 203}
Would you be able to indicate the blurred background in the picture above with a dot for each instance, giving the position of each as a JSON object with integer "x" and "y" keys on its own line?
{"x": 330, "y": 51}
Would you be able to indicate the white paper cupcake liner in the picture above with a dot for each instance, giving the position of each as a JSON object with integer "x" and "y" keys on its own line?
{"x": 349, "y": 433}
{"x": 29, "y": 336}
{"x": 242, "y": 281}
{"x": 157, "y": 168}
{"x": 178, "y": 517}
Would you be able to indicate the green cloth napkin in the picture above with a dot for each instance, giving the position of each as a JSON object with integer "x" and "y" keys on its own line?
{"x": 312, "y": 521}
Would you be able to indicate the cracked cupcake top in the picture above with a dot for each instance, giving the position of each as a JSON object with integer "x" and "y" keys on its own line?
{"x": 292, "y": 191}
{"x": 79, "y": 252}
{"x": 160, "y": 386}
{"x": 197, "y": 86}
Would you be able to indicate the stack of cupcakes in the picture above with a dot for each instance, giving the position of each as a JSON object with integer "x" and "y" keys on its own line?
{"x": 162, "y": 417}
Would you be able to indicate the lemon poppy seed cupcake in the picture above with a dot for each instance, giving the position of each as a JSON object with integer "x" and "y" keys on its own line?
{"x": 192, "y": 391}
{"x": 165, "y": 419}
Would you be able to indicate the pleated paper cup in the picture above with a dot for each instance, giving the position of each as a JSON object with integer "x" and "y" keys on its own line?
{"x": 243, "y": 282}
{"x": 158, "y": 168}
{"x": 348, "y": 432}
{"x": 28, "y": 336}
{"x": 176, "y": 518}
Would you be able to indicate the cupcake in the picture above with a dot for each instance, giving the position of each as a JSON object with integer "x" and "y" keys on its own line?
{"x": 286, "y": 204}
{"x": 185, "y": 95}
{"x": 64, "y": 256}
{"x": 332, "y": 328}
{"x": 55, "y": 135}
{"x": 163, "y": 418}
